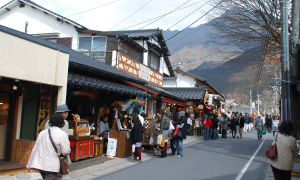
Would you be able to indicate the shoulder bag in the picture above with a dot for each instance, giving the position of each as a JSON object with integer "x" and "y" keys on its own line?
{"x": 271, "y": 152}
{"x": 64, "y": 168}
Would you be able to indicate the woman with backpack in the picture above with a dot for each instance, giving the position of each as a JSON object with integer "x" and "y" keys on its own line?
{"x": 207, "y": 125}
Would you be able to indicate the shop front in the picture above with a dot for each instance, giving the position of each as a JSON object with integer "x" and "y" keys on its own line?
{"x": 31, "y": 85}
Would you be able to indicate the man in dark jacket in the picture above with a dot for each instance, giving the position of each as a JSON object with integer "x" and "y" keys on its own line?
{"x": 269, "y": 123}
{"x": 137, "y": 137}
{"x": 181, "y": 124}
{"x": 246, "y": 123}
{"x": 239, "y": 126}
{"x": 214, "y": 126}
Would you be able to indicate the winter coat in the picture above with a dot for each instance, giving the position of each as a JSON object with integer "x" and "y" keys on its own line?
{"x": 259, "y": 123}
{"x": 183, "y": 125}
{"x": 155, "y": 132}
{"x": 286, "y": 148}
{"x": 246, "y": 119}
{"x": 137, "y": 132}
{"x": 232, "y": 124}
{"x": 268, "y": 121}
{"x": 240, "y": 121}
{"x": 208, "y": 123}
{"x": 43, "y": 155}
{"x": 225, "y": 123}
{"x": 164, "y": 123}
{"x": 214, "y": 122}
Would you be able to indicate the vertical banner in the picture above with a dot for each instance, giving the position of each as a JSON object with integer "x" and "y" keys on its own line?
{"x": 44, "y": 108}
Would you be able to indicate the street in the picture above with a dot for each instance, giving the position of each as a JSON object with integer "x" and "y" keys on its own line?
{"x": 219, "y": 159}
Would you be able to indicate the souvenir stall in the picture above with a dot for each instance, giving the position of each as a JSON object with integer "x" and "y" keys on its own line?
{"x": 81, "y": 142}
{"x": 121, "y": 130}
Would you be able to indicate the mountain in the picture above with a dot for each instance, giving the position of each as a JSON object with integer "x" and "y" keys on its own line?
{"x": 231, "y": 68}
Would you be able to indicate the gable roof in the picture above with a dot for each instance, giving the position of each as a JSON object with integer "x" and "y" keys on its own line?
{"x": 77, "y": 60}
{"x": 14, "y": 3}
{"x": 205, "y": 82}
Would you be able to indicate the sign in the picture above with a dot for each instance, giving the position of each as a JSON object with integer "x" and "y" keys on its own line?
{"x": 144, "y": 72}
{"x": 127, "y": 106}
{"x": 258, "y": 102}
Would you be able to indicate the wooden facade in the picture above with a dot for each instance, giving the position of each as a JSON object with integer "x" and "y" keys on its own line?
{"x": 133, "y": 67}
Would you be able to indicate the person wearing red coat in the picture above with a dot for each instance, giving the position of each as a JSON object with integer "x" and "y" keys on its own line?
{"x": 207, "y": 128}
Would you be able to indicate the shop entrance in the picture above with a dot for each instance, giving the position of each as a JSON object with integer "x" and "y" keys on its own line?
{"x": 4, "y": 109}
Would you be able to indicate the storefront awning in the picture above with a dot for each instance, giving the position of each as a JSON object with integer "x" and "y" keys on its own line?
{"x": 145, "y": 88}
{"x": 192, "y": 93}
{"x": 91, "y": 82}
{"x": 171, "y": 101}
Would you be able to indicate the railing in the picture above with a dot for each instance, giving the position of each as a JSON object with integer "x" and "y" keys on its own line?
{"x": 103, "y": 56}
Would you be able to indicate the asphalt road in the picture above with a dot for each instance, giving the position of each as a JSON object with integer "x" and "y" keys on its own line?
{"x": 222, "y": 159}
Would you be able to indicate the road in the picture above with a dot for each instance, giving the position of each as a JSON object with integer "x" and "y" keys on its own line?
{"x": 222, "y": 159}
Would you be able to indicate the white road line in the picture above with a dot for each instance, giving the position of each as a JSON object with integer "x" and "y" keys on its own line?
{"x": 242, "y": 172}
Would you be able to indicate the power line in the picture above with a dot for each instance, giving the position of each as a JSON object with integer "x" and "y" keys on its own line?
{"x": 165, "y": 14}
{"x": 189, "y": 14}
{"x": 131, "y": 14}
{"x": 196, "y": 20}
{"x": 93, "y": 8}
{"x": 159, "y": 16}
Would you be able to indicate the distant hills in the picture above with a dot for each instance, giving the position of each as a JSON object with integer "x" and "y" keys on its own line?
{"x": 231, "y": 68}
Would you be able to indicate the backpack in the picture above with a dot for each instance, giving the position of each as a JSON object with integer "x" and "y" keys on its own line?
{"x": 166, "y": 124}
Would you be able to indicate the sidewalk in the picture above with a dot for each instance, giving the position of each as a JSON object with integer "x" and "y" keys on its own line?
{"x": 269, "y": 173}
{"x": 101, "y": 169}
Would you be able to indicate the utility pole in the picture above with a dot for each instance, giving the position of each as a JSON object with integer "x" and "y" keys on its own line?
{"x": 284, "y": 59}
{"x": 258, "y": 103}
{"x": 250, "y": 103}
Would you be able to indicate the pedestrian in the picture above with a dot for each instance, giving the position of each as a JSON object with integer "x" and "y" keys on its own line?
{"x": 232, "y": 125}
{"x": 259, "y": 126}
{"x": 269, "y": 123}
{"x": 246, "y": 123}
{"x": 172, "y": 140}
{"x": 275, "y": 125}
{"x": 189, "y": 124}
{"x": 282, "y": 166}
{"x": 224, "y": 125}
{"x": 64, "y": 111}
{"x": 137, "y": 138}
{"x": 43, "y": 157}
{"x": 250, "y": 123}
{"x": 239, "y": 126}
{"x": 164, "y": 130}
{"x": 155, "y": 133}
{"x": 181, "y": 124}
{"x": 207, "y": 125}
{"x": 214, "y": 126}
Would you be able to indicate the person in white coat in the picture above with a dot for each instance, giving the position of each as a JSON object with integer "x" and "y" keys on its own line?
{"x": 43, "y": 156}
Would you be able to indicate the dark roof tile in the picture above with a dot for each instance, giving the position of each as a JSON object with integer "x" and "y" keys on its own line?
{"x": 187, "y": 93}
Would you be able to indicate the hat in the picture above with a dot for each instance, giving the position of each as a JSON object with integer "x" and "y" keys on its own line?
{"x": 181, "y": 113}
{"x": 62, "y": 108}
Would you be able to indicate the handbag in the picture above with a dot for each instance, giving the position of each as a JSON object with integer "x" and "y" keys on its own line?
{"x": 271, "y": 152}
{"x": 159, "y": 139}
{"x": 171, "y": 127}
{"x": 64, "y": 168}
{"x": 151, "y": 140}
{"x": 204, "y": 122}
{"x": 162, "y": 144}
{"x": 176, "y": 131}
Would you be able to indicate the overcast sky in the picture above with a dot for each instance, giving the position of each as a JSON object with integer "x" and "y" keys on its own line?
{"x": 114, "y": 12}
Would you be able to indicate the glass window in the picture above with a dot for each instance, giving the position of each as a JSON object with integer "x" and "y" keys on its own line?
{"x": 154, "y": 61}
{"x": 92, "y": 44}
{"x": 85, "y": 44}
{"x": 99, "y": 43}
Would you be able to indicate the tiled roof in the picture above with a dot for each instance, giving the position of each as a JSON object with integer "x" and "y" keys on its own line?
{"x": 139, "y": 33}
{"x": 187, "y": 93}
{"x": 77, "y": 60}
{"x": 46, "y": 10}
{"x": 95, "y": 83}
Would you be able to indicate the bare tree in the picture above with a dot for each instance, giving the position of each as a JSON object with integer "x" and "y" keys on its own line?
{"x": 249, "y": 20}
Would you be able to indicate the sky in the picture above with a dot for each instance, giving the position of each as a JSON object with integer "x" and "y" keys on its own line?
{"x": 108, "y": 15}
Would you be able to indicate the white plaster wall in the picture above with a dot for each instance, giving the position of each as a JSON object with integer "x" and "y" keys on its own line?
{"x": 165, "y": 69}
{"x": 38, "y": 22}
{"x": 185, "y": 81}
{"x": 24, "y": 60}
{"x": 169, "y": 83}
